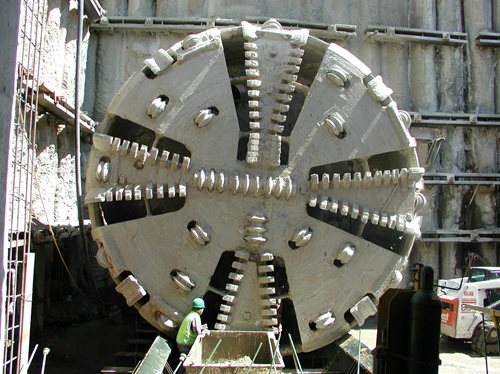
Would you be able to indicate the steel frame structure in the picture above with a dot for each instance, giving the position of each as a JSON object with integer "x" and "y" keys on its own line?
{"x": 20, "y": 174}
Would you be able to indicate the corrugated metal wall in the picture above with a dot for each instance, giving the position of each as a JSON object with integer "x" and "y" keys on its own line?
{"x": 431, "y": 60}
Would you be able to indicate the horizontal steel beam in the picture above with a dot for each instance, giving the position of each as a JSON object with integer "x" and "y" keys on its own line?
{"x": 462, "y": 178}
{"x": 408, "y": 35}
{"x": 188, "y": 25}
{"x": 56, "y": 105}
{"x": 488, "y": 39}
{"x": 460, "y": 236}
{"x": 454, "y": 120}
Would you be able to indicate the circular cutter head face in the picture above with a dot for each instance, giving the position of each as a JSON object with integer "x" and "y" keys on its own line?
{"x": 262, "y": 169}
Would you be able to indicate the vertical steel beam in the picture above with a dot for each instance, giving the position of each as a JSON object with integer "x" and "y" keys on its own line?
{"x": 369, "y": 53}
{"x": 451, "y": 93}
{"x": 496, "y": 28}
{"x": 395, "y": 56}
{"x": 424, "y": 98}
{"x": 422, "y": 64}
{"x": 109, "y": 70}
{"x": 482, "y": 144}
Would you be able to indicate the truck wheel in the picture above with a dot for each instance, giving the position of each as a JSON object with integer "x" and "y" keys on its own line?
{"x": 491, "y": 338}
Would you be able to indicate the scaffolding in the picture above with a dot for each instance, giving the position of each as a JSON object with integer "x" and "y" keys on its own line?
{"x": 21, "y": 157}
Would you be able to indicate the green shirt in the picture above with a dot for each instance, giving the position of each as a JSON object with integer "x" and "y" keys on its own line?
{"x": 186, "y": 335}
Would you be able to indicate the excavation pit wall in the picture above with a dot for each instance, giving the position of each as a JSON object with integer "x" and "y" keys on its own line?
{"x": 456, "y": 79}
{"x": 234, "y": 353}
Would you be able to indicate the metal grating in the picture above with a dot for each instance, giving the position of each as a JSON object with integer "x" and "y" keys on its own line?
{"x": 20, "y": 171}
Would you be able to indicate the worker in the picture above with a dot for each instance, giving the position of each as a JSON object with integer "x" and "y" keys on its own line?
{"x": 191, "y": 327}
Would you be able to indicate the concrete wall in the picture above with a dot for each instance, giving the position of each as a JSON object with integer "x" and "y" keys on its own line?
{"x": 55, "y": 158}
{"x": 424, "y": 77}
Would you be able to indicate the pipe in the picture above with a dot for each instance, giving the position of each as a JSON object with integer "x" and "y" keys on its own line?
{"x": 485, "y": 346}
{"x": 46, "y": 351}
{"x": 78, "y": 172}
{"x": 30, "y": 360}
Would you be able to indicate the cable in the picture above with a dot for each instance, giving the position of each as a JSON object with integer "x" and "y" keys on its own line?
{"x": 53, "y": 235}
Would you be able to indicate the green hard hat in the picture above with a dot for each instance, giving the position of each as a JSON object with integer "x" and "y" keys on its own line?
{"x": 198, "y": 303}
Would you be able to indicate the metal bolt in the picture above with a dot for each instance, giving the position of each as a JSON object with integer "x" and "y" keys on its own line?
{"x": 420, "y": 202}
{"x": 324, "y": 320}
{"x": 302, "y": 237}
{"x": 103, "y": 171}
{"x": 102, "y": 258}
{"x": 203, "y": 117}
{"x": 183, "y": 281}
{"x": 156, "y": 107}
{"x": 405, "y": 117}
{"x": 199, "y": 235}
{"x": 346, "y": 254}
{"x": 272, "y": 24}
{"x": 335, "y": 124}
{"x": 338, "y": 76}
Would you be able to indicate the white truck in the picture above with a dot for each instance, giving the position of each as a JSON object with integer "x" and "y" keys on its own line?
{"x": 482, "y": 288}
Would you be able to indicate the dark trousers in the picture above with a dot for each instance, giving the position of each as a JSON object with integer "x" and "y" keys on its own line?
{"x": 183, "y": 349}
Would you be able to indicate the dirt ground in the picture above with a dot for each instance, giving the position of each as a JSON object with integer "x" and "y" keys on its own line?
{"x": 456, "y": 357}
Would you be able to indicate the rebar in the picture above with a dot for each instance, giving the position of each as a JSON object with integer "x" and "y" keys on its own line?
{"x": 211, "y": 355}
{"x": 254, "y": 357}
{"x": 295, "y": 356}
{"x": 273, "y": 363}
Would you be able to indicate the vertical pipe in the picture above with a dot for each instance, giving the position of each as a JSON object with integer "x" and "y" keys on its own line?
{"x": 78, "y": 173}
{"x": 485, "y": 351}
{"x": 481, "y": 143}
{"x": 451, "y": 93}
{"x": 46, "y": 351}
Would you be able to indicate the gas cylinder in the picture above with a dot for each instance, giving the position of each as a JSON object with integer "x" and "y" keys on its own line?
{"x": 425, "y": 323}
